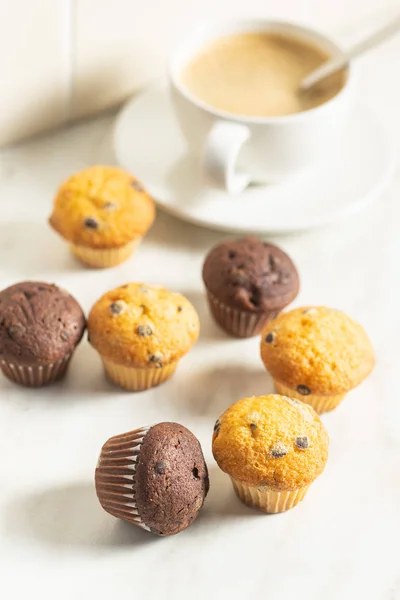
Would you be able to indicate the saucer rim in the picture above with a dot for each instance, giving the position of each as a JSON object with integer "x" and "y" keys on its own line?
{"x": 176, "y": 211}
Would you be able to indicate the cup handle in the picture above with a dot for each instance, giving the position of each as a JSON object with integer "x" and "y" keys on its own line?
{"x": 221, "y": 151}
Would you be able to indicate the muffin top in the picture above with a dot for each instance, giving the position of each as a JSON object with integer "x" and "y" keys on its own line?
{"x": 250, "y": 275}
{"x": 39, "y": 323}
{"x": 171, "y": 478}
{"x": 271, "y": 441}
{"x": 139, "y": 325}
{"x": 317, "y": 350}
{"x": 102, "y": 207}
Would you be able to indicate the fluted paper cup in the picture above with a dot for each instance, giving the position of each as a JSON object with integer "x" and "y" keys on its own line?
{"x": 238, "y": 323}
{"x": 38, "y": 375}
{"x": 115, "y": 476}
{"x": 103, "y": 258}
{"x": 137, "y": 379}
{"x": 320, "y": 404}
{"x": 267, "y": 500}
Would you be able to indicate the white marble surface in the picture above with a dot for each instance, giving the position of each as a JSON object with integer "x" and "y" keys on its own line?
{"x": 56, "y": 542}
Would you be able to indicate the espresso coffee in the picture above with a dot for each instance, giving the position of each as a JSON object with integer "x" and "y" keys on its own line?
{"x": 259, "y": 74}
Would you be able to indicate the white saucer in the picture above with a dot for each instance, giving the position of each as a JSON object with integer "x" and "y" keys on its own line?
{"x": 148, "y": 143}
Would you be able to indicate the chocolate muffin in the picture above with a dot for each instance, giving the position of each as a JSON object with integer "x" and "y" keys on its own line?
{"x": 155, "y": 478}
{"x": 248, "y": 283}
{"x": 40, "y": 327}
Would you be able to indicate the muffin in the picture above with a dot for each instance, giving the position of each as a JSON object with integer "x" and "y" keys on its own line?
{"x": 141, "y": 332}
{"x": 154, "y": 477}
{"x": 40, "y": 327}
{"x": 248, "y": 283}
{"x": 316, "y": 354}
{"x": 103, "y": 212}
{"x": 273, "y": 448}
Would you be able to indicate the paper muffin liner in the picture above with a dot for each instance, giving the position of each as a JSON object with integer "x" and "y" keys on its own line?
{"x": 267, "y": 500}
{"x": 36, "y": 376}
{"x": 137, "y": 379}
{"x": 320, "y": 404}
{"x": 103, "y": 258}
{"x": 115, "y": 476}
{"x": 238, "y": 322}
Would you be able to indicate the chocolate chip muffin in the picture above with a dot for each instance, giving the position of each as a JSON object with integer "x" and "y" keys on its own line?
{"x": 40, "y": 327}
{"x": 248, "y": 283}
{"x": 154, "y": 477}
{"x": 141, "y": 332}
{"x": 273, "y": 448}
{"x": 103, "y": 212}
{"x": 316, "y": 354}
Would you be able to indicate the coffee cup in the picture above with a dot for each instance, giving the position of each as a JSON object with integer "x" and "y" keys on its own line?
{"x": 235, "y": 150}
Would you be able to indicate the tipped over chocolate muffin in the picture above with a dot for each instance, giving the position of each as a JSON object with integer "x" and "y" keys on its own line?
{"x": 154, "y": 477}
{"x": 40, "y": 327}
{"x": 248, "y": 283}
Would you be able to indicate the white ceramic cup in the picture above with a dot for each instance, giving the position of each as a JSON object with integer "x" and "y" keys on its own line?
{"x": 235, "y": 150}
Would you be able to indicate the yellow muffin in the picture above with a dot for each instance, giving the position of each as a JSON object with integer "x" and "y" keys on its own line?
{"x": 273, "y": 447}
{"x": 103, "y": 212}
{"x": 141, "y": 332}
{"x": 316, "y": 354}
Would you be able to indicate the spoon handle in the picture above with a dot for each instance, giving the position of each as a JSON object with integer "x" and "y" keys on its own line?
{"x": 333, "y": 65}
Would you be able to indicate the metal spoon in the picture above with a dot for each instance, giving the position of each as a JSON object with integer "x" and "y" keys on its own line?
{"x": 337, "y": 63}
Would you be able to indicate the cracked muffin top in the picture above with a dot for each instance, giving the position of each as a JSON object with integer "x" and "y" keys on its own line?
{"x": 139, "y": 325}
{"x": 317, "y": 350}
{"x": 271, "y": 441}
{"x": 39, "y": 323}
{"x": 250, "y": 275}
{"x": 102, "y": 207}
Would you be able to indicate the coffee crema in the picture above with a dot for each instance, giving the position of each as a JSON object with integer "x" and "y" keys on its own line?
{"x": 258, "y": 74}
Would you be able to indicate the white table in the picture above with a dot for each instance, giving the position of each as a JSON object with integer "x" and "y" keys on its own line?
{"x": 55, "y": 540}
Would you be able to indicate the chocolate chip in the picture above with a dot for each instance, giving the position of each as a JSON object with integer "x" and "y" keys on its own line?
{"x": 156, "y": 358}
{"x": 195, "y": 473}
{"x": 301, "y": 442}
{"x": 231, "y": 254}
{"x": 253, "y": 426}
{"x": 278, "y": 450}
{"x": 137, "y": 186}
{"x": 117, "y": 307}
{"x": 110, "y": 206}
{"x": 144, "y": 330}
{"x": 303, "y": 390}
{"x": 269, "y": 338}
{"x": 160, "y": 467}
{"x": 90, "y": 223}
{"x": 255, "y": 298}
{"x": 179, "y": 308}
{"x": 64, "y": 335}
{"x": 217, "y": 425}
